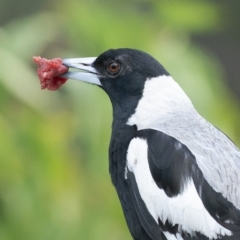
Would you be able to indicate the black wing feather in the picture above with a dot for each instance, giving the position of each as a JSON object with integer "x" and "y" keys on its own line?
{"x": 147, "y": 221}
{"x": 171, "y": 164}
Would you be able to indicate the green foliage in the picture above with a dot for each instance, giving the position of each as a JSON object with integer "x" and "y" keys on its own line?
{"x": 54, "y": 181}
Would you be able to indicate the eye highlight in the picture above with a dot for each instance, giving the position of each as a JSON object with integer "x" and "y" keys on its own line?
{"x": 113, "y": 67}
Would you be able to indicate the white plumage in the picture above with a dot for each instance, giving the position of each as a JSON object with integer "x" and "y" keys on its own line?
{"x": 166, "y": 108}
{"x": 186, "y": 209}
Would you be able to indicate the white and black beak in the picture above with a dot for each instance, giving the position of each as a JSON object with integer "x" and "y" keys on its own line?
{"x": 85, "y": 70}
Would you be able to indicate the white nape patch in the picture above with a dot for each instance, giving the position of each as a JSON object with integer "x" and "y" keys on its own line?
{"x": 186, "y": 209}
{"x": 162, "y": 99}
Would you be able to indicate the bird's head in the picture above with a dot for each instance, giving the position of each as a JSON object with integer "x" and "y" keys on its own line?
{"x": 121, "y": 73}
{"x": 141, "y": 91}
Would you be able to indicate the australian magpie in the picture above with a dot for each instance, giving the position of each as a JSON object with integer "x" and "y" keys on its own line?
{"x": 176, "y": 175}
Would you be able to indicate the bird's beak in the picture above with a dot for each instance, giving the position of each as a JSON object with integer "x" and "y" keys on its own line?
{"x": 86, "y": 73}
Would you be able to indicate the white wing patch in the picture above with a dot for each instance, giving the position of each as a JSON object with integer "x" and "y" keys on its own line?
{"x": 166, "y": 108}
{"x": 186, "y": 210}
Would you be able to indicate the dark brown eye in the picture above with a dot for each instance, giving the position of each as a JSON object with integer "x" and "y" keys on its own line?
{"x": 113, "y": 67}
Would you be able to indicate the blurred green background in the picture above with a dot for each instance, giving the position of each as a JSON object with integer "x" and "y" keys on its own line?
{"x": 54, "y": 180}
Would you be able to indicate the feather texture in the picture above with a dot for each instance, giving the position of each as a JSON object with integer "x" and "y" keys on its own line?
{"x": 165, "y": 107}
{"x": 158, "y": 181}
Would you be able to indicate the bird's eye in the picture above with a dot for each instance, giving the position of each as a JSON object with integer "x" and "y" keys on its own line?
{"x": 113, "y": 67}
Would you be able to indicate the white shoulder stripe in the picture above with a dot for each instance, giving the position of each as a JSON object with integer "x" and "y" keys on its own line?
{"x": 186, "y": 210}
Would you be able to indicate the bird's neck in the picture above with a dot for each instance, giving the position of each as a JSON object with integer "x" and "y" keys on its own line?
{"x": 163, "y": 101}
{"x": 123, "y": 109}
{"x": 120, "y": 139}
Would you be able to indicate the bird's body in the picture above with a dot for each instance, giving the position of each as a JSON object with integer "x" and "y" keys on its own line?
{"x": 176, "y": 175}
